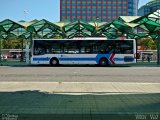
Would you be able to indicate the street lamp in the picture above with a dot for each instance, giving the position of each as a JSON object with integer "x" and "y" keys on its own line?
{"x": 96, "y": 26}
{"x": 25, "y": 14}
{"x": 96, "y": 22}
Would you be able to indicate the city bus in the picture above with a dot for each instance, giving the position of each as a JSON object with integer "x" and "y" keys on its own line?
{"x": 99, "y": 51}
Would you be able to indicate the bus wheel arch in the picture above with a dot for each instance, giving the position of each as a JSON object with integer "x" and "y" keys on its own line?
{"x": 103, "y": 61}
{"x": 54, "y": 61}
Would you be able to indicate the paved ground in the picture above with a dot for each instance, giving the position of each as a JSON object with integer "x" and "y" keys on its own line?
{"x": 81, "y": 87}
{"x": 79, "y": 93}
{"x": 80, "y": 74}
{"x": 95, "y": 106}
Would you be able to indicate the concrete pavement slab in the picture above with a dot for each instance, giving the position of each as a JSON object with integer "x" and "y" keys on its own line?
{"x": 81, "y": 87}
{"x": 36, "y": 104}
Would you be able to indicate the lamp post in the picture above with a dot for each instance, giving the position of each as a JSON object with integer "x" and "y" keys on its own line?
{"x": 96, "y": 26}
{"x": 96, "y": 22}
{"x": 25, "y": 14}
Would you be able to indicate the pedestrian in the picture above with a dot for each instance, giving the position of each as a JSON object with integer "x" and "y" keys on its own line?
{"x": 143, "y": 57}
{"x": 148, "y": 58}
{"x": 17, "y": 56}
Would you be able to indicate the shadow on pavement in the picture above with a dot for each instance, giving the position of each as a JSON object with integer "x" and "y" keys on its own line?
{"x": 38, "y": 105}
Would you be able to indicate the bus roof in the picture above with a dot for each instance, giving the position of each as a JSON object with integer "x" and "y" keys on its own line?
{"x": 85, "y": 39}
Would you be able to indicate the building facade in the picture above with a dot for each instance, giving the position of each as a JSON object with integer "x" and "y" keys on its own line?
{"x": 104, "y": 10}
{"x": 149, "y": 7}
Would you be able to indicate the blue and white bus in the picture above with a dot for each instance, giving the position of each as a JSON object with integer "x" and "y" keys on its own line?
{"x": 83, "y": 51}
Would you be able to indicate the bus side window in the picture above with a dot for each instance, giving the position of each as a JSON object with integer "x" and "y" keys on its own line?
{"x": 117, "y": 50}
{"x": 82, "y": 50}
{"x": 48, "y": 51}
{"x": 54, "y": 51}
{"x": 87, "y": 50}
{"x": 39, "y": 51}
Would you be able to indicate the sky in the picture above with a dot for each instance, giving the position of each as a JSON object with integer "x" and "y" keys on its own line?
{"x": 28, "y": 10}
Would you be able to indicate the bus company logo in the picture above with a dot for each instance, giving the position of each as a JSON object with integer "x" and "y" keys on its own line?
{"x": 9, "y": 117}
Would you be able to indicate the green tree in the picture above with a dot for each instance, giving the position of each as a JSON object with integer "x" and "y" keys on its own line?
{"x": 12, "y": 43}
{"x": 148, "y": 43}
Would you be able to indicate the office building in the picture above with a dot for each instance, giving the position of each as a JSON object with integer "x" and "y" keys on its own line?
{"x": 104, "y": 10}
{"x": 149, "y": 7}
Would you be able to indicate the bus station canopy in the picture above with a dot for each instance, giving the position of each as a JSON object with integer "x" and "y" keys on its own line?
{"x": 130, "y": 26}
{"x": 149, "y": 24}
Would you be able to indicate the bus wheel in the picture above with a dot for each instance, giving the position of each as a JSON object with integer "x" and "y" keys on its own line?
{"x": 103, "y": 62}
{"x": 54, "y": 61}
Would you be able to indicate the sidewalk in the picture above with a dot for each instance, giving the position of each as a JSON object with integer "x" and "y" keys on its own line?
{"x": 79, "y": 101}
{"x": 81, "y": 87}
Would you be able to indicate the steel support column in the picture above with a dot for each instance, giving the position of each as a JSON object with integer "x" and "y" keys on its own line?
{"x": 158, "y": 49}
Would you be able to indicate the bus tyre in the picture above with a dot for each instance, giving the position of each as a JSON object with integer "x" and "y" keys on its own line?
{"x": 103, "y": 62}
{"x": 54, "y": 62}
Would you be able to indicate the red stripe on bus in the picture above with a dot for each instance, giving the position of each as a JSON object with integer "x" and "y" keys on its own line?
{"x": 111, "y": 58}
